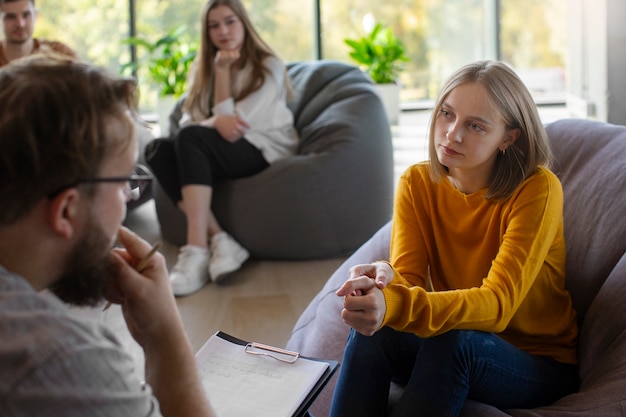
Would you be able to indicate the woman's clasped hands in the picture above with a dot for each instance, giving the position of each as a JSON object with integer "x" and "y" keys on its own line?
{"x": 364, "y": 304}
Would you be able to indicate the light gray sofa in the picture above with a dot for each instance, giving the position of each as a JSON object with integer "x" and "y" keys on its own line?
{"x": 591, "y": 163}
{"x": 327, "y": 199}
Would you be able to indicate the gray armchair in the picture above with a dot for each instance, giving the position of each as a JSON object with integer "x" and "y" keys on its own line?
{"x": 591, "y": 163}
{"x": 330, "y": 197}
{"x": 143, "y": 137}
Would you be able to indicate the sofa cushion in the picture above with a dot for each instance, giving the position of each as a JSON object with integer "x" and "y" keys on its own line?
{"x": 319, "y": 331}
{"x": 603, "y": 335}
{"x": 591, "y": 163}
{"x": 602, "y": 354}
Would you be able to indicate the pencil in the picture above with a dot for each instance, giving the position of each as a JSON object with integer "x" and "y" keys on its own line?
{"x": 144, "y": 261}
{"x": 140, "y": 266}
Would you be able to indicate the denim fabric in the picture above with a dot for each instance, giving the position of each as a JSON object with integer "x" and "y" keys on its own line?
{"x": 441, "y": 372}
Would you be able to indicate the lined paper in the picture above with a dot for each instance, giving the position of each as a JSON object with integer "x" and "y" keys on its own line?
{"x": 239, "y": 384}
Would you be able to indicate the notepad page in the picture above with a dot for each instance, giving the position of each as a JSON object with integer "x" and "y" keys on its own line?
{"x": 239, "y": 384}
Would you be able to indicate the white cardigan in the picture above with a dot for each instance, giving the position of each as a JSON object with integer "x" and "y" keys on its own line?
{"x": 271, "y": 122}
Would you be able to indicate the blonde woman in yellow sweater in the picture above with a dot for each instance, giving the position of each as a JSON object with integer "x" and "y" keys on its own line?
{"x": 472, "y": 303}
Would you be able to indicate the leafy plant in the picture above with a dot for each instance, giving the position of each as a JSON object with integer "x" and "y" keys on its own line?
{"x": 167, "y": 60}
{"x": 380, "y": 54}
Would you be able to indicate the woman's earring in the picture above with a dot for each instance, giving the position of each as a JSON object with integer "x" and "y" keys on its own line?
{"x": 503, "y": 151}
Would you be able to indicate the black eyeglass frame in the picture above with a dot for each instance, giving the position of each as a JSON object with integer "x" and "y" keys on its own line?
{"x": 131, "y": 179}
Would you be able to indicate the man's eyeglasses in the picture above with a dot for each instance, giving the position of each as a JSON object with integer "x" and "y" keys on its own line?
{"x": 136, "y": 183}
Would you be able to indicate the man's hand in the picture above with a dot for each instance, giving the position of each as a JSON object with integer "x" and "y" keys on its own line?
{"x": 146, "y": 296}
{"x": 152, "y": 317}
{"x": 364, "y": 304}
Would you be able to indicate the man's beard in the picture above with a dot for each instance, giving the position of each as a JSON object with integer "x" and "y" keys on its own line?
{"x": 18, "y": 41}
{"x": 21, "y": 40}
{"x": 89, "y": 269}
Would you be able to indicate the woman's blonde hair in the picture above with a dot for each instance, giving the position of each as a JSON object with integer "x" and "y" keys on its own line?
{"x": 513, "y": 100}
{"x": 253, "y": 52}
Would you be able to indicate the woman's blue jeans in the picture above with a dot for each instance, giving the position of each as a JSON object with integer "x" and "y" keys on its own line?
{"x": 439, "y": 373}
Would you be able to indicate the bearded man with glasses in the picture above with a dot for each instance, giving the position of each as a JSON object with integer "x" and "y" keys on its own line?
{"x": 67, "y": 170}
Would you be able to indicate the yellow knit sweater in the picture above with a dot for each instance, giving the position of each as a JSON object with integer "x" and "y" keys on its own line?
{"x": 494, "y": 266}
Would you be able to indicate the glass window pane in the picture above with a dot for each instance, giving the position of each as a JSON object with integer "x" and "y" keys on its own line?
{"x": 533, "y": 40}
{"x": 94, "y": 32}
{"x": 154, "y": 19}
{"x": 288, "y": 26}
{"x": 439, "y": 36}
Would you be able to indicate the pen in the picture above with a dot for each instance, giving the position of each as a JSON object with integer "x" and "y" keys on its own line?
{"x": 140, "y": 266}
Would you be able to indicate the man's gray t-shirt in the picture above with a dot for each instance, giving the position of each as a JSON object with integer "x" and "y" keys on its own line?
{"x": 53, "y": 363}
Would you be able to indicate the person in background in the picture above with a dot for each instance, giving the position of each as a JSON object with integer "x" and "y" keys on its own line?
{"x": 472, "y": 304}
{"x": 18, "y": 23}
{"x": 235, "y": 124}
{"x": 67, "y": 153}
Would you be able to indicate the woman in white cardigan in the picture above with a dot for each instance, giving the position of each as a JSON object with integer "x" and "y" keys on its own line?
{"x": 235, "y": 123}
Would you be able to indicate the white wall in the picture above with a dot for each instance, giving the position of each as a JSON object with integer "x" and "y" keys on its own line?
{"x": 616, "y": 60}
{"x": 597, "y": 59}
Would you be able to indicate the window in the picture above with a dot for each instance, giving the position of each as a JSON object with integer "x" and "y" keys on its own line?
{"x": 533, "y": 38}
{"x": 94, "y": 32}
{"x": 439, "y": 35}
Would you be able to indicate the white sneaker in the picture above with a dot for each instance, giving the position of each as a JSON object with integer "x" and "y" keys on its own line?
{"x": 228, "y": 256}
{"x": 190, "y": 272}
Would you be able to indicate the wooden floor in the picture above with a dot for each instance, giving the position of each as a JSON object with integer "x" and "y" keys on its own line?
{"x": 262, "y": 301}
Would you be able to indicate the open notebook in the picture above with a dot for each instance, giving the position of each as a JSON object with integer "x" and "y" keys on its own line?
{"x": 243, "y": 379}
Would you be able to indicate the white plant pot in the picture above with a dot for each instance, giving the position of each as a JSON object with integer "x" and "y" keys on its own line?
{"x": 165, "y": 105}
{"x": 390, "y": 96}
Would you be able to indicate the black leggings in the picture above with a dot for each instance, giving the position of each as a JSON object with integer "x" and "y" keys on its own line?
{"x": 199, "y": 155}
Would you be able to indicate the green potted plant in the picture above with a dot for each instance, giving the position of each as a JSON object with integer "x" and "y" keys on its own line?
{"x": 381, "y": 55}
{"x": 166, "y": 62}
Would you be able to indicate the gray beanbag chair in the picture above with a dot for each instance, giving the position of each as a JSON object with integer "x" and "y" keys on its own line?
{"x": 330, "y": 197}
